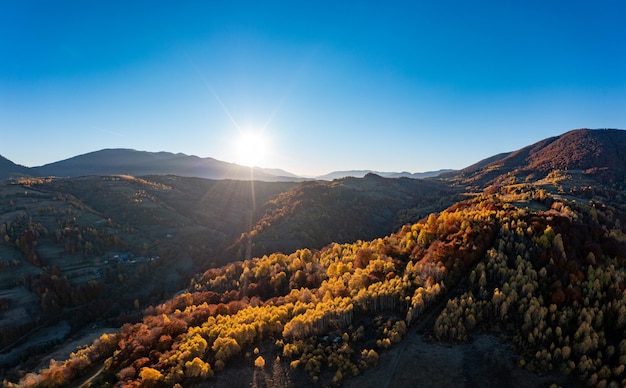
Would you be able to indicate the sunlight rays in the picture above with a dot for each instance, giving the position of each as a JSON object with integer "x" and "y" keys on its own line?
{"x": 248, "y": 146}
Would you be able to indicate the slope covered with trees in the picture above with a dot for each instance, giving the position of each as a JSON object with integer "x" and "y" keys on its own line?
{"x": 344, "y": 210}
{"x": 541, "y": 269}
{"x": 592, "y": 155}
{"x": 534, "y": 257}
{"x": 91, "y": 249}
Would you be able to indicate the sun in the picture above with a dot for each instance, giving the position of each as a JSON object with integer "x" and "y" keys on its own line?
{"x": 250, "y": 148}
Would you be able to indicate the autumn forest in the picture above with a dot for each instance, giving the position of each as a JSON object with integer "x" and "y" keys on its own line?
{"x": 328, "y": 278}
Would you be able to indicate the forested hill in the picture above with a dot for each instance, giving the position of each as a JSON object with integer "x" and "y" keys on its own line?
{"x": 344, "y": 210}
{"x": 592, "y": 155}
{"x": 537, "y": 260}
{"x": 75, "y": 251}
{"x": 544, "y": 271}
{"x": 97, "y": 248}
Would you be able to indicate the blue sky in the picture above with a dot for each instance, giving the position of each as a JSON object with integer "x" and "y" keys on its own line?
{"x": 387, "y": 86}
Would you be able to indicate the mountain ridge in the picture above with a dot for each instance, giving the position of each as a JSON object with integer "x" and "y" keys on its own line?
{"x": 126, "y": 161}
{"x": 9, "y": 169}
{"x": 591, "y": 153}
{"x": 386, "y": 174}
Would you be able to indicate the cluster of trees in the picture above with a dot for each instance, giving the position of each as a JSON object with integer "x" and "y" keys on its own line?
{"x": 59, "y": 373}
{"x": 329, "y": 310}
{"x": 555, "y": 282}
{"x": 23, "y": 234}
{"x": 86, "y": 240}
{"x": 56, "y": 293}
{"x": 552, "y": 279}
{"x": 316, "y": 213}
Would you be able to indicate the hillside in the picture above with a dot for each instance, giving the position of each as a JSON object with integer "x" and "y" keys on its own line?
{"x": 8, "y": 169}
{"x": 545, "y": 272}
{"x": 524, "y": 276}
{"x": 84, "y": 250}
{"x": 344, "y": 210}
{"x": 92, "y": 244}
{"x": 591, "y": 155}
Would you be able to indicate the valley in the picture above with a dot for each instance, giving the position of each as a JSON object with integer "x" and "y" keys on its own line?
{"x": 348, "y": 282}
{"x": 92, "y": 246}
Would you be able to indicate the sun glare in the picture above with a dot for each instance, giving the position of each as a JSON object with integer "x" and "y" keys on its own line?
{"x": 250, "y": 148}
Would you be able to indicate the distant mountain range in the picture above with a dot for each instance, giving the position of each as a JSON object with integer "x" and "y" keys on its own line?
{"x": 585, "y": 151}
{"x": 139, "y": 163}
{"x": 362, "y": 173}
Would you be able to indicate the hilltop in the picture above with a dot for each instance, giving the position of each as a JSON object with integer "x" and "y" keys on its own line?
{"x": 10, "y": 169}
{"x": 595, "y": 155}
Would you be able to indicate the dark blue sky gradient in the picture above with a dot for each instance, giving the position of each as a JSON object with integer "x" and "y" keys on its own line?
{"x": 333, "y": 85}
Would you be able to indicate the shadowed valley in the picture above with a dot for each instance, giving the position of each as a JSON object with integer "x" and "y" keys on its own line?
{"x": 327, "y": 283}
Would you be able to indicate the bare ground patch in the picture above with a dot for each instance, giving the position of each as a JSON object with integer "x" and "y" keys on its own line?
{"x": 483, "y": 362}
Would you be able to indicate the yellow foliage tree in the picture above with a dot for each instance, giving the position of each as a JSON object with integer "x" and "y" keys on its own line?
{"x": 259, "y": 362}
{"x": 150, "y": 374}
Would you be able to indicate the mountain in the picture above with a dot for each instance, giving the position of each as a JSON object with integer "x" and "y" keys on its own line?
{"x": 138, "y": 163}
{"x": 122, "y": 161}
{"x": 361, "y": 173}
{"x": 8, "y": 169}
{"x": 278, "y": 173}
{"x": 595, "y": 155}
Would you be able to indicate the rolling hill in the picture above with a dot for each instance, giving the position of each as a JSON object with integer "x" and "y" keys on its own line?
{"x": 81, "y": 250}
{"x": 530, "y": 261}
{"x": 314, "y": 214}
{"x": 592, "y": 154}
{"x": 98, "y": 237}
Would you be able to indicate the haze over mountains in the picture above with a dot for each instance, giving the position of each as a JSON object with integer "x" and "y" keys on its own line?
{"x": 138, "y": 163}
{"x": 578, "y": 150}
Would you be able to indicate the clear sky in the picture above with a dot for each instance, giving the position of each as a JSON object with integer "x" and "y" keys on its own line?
{"x": 331, "y": 85}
